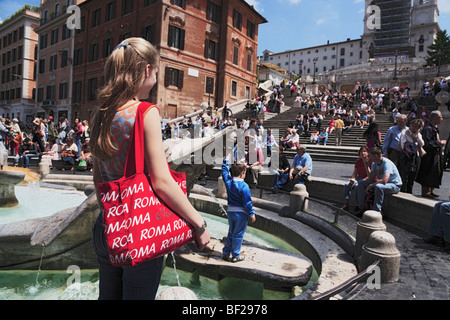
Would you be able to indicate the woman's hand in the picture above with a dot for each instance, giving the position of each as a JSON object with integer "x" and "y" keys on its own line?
{"x": 202, "y": 239}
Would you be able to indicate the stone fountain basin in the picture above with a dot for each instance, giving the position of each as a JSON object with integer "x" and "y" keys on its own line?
{"x": 277, "y": 269}
{"x": 8, "y": 179}
{"x": 61, "y": 239}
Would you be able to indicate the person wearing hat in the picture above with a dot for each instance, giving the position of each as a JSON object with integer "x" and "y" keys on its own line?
{"x": 52, "y": 129}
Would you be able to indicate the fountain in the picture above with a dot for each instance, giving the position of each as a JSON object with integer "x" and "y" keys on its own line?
{"x": 66, "y": 236}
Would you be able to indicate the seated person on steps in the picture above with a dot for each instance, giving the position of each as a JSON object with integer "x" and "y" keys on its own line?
{"x": 69, "y": 152}
{"x": 301, "y": 166}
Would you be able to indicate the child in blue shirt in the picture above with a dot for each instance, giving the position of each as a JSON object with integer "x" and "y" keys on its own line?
{"x": 240, "y": 208}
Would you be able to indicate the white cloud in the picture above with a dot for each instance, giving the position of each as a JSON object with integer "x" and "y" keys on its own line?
{"x": 444, "y": 6}
{"x": 290, "y": 1}
{"x": 255, "y": 4}
{"x": 320, "y": 21}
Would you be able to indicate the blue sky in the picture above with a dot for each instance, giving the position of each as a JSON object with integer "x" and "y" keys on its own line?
{"x": 293, "y": 24}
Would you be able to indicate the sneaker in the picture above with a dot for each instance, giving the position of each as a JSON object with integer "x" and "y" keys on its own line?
{"x": 305, "y": 176}
{"x": 434, "y": 195}
{"x": 237, "y": 259}
{"x": 360, "y": 213}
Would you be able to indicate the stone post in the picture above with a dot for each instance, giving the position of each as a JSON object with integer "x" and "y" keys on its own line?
{"x": 177, "y": 293}
{"x": 298, "y": 201}
{"x": 381, "y": 246}
{"x": 44, "y": 167}
{"x": 371, "y": 221}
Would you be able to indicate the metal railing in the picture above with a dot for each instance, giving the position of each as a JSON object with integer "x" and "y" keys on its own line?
{"x": 337, "y": 213}
{"x": 362, "y": 276}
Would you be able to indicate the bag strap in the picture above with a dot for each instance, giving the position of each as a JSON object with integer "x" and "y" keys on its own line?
{"x": 135, "y": 162}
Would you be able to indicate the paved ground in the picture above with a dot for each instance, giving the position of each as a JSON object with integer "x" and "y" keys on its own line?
{"x": 424, "y": 269}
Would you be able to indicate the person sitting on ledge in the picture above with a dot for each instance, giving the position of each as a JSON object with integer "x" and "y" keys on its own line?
{"x": 384, "y": 178}
{"x": 301, "y": 166}
{"x": 360, "y": 171}
{"x": 68, "y": 154}
{"x": 440, "y": 226}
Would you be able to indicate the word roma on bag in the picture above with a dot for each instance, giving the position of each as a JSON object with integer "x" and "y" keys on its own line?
{"x": 145, "y": 234}
{"x": 144, "y": 251}
{"x": 128, "y": 192}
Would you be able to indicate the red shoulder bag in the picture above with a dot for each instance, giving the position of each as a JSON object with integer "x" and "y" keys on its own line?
{"x": 138, "y": 226}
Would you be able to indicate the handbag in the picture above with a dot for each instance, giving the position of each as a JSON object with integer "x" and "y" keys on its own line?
{"x": 138, "y": 226}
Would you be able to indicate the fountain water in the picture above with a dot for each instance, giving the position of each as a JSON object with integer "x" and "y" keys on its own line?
{"x": 34, "y": 201}
{"x": 52, "y": 285}
{"x": 175, "y": 268}
{"x": 33, "y": 289}
{"x": 211, "y": 194}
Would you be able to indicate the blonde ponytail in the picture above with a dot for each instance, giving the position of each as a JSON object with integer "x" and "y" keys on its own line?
{"x": 124, "y": 74}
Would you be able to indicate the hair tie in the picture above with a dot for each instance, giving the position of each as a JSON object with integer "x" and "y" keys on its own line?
{"x": 121, "y": 45}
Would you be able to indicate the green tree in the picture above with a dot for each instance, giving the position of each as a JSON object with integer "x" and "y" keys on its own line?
{"x": 439, "y": 51}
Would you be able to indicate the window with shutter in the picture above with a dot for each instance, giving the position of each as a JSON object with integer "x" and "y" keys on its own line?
{"x": 176, "y": 37}
{"x": 173, "y": 77}
{"x": 211, "y": 51}
{"x": 179, "y": 3}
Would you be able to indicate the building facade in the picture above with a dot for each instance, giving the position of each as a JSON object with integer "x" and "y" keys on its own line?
{"x": 318, "y": 59}
{"x": 18, "y": 52}
{"x": 207, "y": 48}
{"x": 55, "y": 60}
{"x": 407, "y": 28}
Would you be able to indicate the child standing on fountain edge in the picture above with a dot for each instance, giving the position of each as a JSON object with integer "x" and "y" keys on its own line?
{"x": 240, "y": 208}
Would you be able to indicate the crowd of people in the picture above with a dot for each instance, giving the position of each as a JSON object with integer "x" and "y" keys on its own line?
{"x": 412, "y": 150}
{"x": 45, "y": 139}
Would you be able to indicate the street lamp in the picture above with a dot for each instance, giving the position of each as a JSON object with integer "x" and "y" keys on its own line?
{"x": 395, "y": 70}
{"x": 314, "y": 77}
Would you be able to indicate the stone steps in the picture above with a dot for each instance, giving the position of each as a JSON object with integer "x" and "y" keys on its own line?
{"x": 351, "y": 141}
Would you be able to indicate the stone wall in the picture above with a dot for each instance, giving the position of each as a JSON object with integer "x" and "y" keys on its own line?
{"x": 403, "y": 207}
